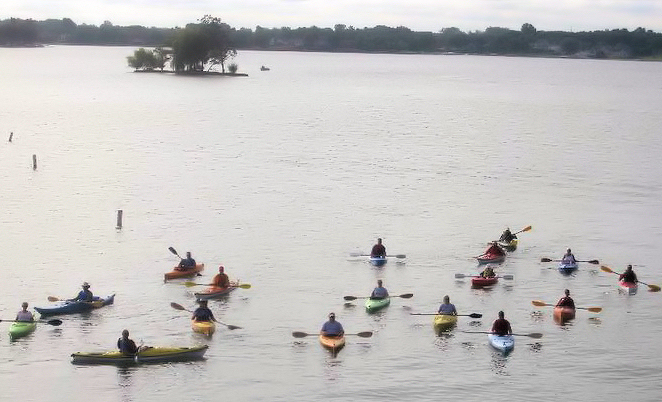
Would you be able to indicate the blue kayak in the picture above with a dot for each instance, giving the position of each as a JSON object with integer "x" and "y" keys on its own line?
{"x": 566, "y": 268}
{"x": 72, "y": 307}
{"x": 378, "y": 261}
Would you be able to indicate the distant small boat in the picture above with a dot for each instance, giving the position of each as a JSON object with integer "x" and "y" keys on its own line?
{"x": 263, "y": 68}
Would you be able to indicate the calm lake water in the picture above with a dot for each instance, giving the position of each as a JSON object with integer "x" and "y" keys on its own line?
{"x": 280, "y": 175}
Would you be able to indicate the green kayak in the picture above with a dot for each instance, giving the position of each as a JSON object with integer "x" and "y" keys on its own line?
{"x": 21, "y": 329}
{"x": 148, "y": 355}
{"x": 372, "y": 305}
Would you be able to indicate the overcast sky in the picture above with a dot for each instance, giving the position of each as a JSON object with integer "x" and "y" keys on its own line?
{"x": 419, "y": 15}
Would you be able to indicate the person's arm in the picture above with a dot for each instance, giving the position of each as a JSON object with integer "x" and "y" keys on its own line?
{"x": 212, "y": 316}
{"x": 510, "y": 330}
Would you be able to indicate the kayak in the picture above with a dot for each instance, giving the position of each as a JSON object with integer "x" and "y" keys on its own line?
{"x": 378, "y": 261}
{"x": 562, "y": 314}
{"x": 566, "y": 268}
{"x": 72, "y": 307}
{"x": 479, "y": 281}
{"x": 176, "y": 273}
{"x": 155, "y": 354}
{"x": 491, "y": 258}
{"x": 203, "y": 327}
{"x": 372, "y": 305}
{"x": 333, "y": 343}
{"x": 21, "y": 329}
{"x": 508, "y": 245}
{"x": 214, "y": 292}
{"x": 628, "y": 287}
{"x": 504, "y": 343}
{"x": 444, "y": 322}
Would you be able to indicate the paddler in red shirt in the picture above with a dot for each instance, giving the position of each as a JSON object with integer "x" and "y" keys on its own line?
{"x": 378, "y": 250}
{"x": 501, "y": 326}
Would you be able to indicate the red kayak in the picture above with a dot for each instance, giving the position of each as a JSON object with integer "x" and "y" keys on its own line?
{"x": 628, "y": 287}
{"x": 563, "y": 314}
{"x": 488, "y": 258}
{"x": 479, "y": 281}
{"x": 187, "y": 273}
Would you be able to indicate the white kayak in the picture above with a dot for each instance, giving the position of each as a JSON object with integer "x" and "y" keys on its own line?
{"x": 504, "y": 343}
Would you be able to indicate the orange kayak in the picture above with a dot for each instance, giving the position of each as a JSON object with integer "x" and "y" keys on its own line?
{"x": 563, "y": 314}
{"x": 176, "y": 273}
{"x": 333, "y": 343}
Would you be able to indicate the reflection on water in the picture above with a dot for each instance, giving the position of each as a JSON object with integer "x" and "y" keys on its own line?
{"x": 535, "y": 347}
{"x": 499, "y": 361}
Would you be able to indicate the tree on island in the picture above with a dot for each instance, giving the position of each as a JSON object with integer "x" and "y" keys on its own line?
{"x": 206, "y": 44}
{"x": 148, "y": 60}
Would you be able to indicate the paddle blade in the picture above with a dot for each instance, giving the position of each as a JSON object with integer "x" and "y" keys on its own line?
{"x": 350, "y": 298}
{"x": 507, "y": 277}
{"x": 53, "y": 298}
{"x": 653, "y": 288}
{"x": 358, "y": 255}
{"x": 475, "y": 315}
{"x": 535, "y": 335}
{"x": 172, "y": 250}
{"x": 406, "y": 295}
{"x": 400, "y": 256}
{"x": 539, "y": 303}
{"x": 244, "y": 286}
{"x": 177, "y": 306}
{"x": 54, "y": 322}
{"x": 231, "y": 326}
{"x": 460, "y": 275}
{"x": 366, "y": 334}
{"x": 596, "y": 262}
{"x": 594, "y": 309}
{"x": 606, "y": 269}
{"x": 298, "y": 334}
{"x": 189, "y": 284}
{"x": 526, "y": 229}
{"x": 545, "y": 260}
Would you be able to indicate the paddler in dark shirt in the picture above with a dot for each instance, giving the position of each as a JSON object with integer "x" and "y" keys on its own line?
{"x": 501, "y": 326}
{"x": 125, "y": 345}
{"x": 85, "y": 294}
{"x": 507, "y": 236}
{"x": 186, "y": 263}
{"x": 566, "y": 301}
{"x": 628, "y": 275}
{"x": 378, "y": 250}
{"x": 203, "y": 313}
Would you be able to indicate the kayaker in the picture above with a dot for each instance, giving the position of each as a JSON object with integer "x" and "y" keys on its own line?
{"x": 125, "y": 345}
{"x": 446, "y": 308}
{"x": 501, "y": 326}
{"x": 203, "y": 313}
{"x": 488, "y": 272}
{"x": 378, "y": 250}
{"x": 566, "y": 301}
{"x": 332, "y": 327}
{"x": 379, "y": 292}
{"x": 221, "y": 280}
{"x": 24, "y": 315}
{"x": 507, "y": 236}
{"x": 85, "y": 294}
{"x": 186, "y": 263}
{"x": 628, "y": 275}
{"x": 494, "y": 249}
{"x": 568, "y": 258}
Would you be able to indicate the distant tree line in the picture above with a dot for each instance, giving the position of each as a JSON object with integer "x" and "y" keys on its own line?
{"x": 616, "y": 43}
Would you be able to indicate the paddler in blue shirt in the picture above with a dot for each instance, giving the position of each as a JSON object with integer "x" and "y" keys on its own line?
{"x": 125, "y": 345}
{"x": 447, "y": 308}
{"x": 85, "y": 294}
{"x": 379, "y": 292}
{"x": 186, "y": 263}
{"x": 332, "y": 327}
{"x": 203, "y": 313}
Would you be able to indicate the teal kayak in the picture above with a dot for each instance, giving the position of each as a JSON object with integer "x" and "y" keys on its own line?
{"x": 21, "y": 329}
{"x": 372, "y": 305}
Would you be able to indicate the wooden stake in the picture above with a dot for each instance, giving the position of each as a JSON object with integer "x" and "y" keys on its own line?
{"x": 119, "y": 219}
{"x": 34, "y": 162}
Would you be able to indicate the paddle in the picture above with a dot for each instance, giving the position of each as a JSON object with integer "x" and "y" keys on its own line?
{"x": 542, "y": 303}
{"x": 368, "y": 255}
{"x": 172, "y": 250}
{"x": 54, "y": 322}
{"x": 589, "y": 261}
{"x": 472, "y": 315}
{"x": 506, "y": 277}
{"x": 189, "y": 284}
{"x": 535, "y": 335}
{"x": 652, "y": 288}
{"x": 182, "y": 308}
{"x": 95, "y": 303}
{"x": 365, "y": 334}
{"x": 404, "y": 296}
{"x": 526, "y": 229}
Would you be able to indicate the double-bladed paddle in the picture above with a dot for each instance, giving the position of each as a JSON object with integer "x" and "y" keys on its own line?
{"x": 652, "y": 288}
{"x": 589, "y": 261}
{"x": 404, "y": 296}
{"x": 368, "y": 255}
{"x": 535, "y": 335}
{"x": 506, "y": 277}
{"x": 54, "y": 322}
{"x": 189, "y": 284}
{"x": 182, "y": 308}
{"x": 172, "y": 250}
{"x": 540, "y": 303}
{"x": 472, "y": 315}
{"x": 365, "y": 334}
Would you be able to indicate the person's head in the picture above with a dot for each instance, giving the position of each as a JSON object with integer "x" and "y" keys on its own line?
{"x": 501, "y": 314}
{"x": 188, "y": 254}
{"x": 379, "y": 283}
{"x": 202, "y": 303}
{"x": 85, "y": 285}
{"x": 221, "y": 269}
{"x": 629, "y": 267}
{"x": 24, "y": 305}
{"x": 447, "y": 299}
{"x": 568, "y": 251}
{"x": 567, "y": 292}
{"x": 125, "y": 333}
{"x": 494, "y": 243}
{"x": 332, "y": 316}
{"x": 379, "y": 240}
{"x": 507, "y": 229}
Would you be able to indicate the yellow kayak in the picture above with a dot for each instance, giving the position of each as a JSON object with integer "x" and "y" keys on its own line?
{"x": 443, "y": 322}
{"x": 203, "y": 327}
{"x": 333, "y": 343}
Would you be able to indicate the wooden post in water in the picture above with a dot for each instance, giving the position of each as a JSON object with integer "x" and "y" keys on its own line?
{"x": 11, "y": 135}
{"x": 34, "y": 162}
{"x": 119, "y": 219}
